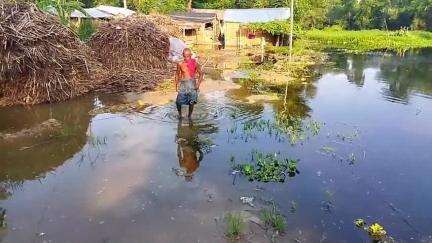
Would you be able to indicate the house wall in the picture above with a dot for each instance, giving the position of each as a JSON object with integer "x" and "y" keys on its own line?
{"x": 237, "y": 35}
{"x": 204, "y": 36}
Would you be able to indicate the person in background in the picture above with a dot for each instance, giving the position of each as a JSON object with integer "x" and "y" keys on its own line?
{"x": 186, "y": 83}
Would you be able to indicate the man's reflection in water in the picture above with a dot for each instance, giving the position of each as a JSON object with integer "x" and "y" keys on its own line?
{"x": 188, "y": 149}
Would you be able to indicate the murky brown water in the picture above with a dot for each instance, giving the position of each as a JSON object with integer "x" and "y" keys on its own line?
{"x": 146, "y": 177}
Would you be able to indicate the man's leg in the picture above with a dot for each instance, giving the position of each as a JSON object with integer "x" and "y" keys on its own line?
{"x": 179, "y": 109}
{"x": 191, "y": 107}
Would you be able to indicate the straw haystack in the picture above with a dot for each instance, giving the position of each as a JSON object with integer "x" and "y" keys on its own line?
{"x": 131, "y": 43}
{"x": 40, "y": 59}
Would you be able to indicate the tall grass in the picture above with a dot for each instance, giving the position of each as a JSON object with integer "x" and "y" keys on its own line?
{"x": 273, "y": 219}
{"x": 369, "y": 40}
{"x": 235, "y": 226}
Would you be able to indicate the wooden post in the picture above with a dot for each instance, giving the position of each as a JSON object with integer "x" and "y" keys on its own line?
{"x": 262, "y": 48}
{"x": 125, "y": 4}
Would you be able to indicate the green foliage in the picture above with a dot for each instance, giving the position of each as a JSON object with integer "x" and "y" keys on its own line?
{"x": 159, "y": 6}
{"x": 374, "y": 14}
{"x": 63, "y": 8}
{"x": 370, "y": 40}
{"x": 351, "y": 14}
{"x": 274, "y": 27}
{"x": 221, "y": 4}
{"x": 115, "y": 3}
{"x": 311, "y": 13}
{"x": 86, "y": 29}
{"x": 235, "y": 226}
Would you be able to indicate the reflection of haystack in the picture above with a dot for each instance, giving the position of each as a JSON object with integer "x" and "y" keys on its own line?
{"x": 40, "y": 59}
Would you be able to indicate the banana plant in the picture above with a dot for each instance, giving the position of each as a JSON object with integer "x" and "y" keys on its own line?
{"x": 63, "y": 8}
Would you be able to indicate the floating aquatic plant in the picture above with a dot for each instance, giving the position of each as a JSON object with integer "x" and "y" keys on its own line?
{"x": 267, "y": 168}
{"x": 360, "y": 223}
{"x": 375, "y": 231}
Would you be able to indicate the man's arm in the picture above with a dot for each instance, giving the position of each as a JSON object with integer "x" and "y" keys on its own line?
{"x": 200, "y": 75}
{"x": 177, "y": 77}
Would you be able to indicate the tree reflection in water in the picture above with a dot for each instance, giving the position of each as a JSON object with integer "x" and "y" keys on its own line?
{"x": 403, "y": 74}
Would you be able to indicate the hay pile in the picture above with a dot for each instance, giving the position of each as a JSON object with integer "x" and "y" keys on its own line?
{"x": 131, "y": 43}
{"x": 166, "y": 23}
{"x": 135, "y": 51}
{"x": 40, "y": 59}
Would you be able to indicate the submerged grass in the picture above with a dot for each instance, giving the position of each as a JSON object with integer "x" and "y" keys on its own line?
{"x": 278, "y": 69}
{"x": 369, "y": 40}
{"x": 294, "y": 128}
{"x": 2, "y": 217}
{"x": 234, "y": 226}
{"x": 272, "y": 219}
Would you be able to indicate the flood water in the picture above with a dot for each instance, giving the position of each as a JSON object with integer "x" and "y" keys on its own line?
{"x": 146, "y": 177}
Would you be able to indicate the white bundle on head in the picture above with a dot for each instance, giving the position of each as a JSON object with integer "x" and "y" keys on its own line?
{"x": 176, "y": 50}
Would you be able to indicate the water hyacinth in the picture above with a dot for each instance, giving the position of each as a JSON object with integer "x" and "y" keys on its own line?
{"x": 267, "y": 168}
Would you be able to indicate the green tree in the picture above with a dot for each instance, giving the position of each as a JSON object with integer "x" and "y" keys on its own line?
{"x": 423, "y": 13}
{"x": 160, "y": 6}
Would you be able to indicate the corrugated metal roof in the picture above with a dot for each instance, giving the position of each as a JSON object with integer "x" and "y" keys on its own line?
{"x": 194, "y": 17}
{"x": 93, "y": 13}
{"x": 102, "y": 12}
{"x": 218, "y": 12}
{"x": 256, "y": 15}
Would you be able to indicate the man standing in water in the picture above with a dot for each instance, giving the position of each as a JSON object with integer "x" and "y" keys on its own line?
{"x": 186, "y": 84}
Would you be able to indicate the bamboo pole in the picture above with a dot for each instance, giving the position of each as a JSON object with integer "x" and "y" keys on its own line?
{"x": 290, "y": 45}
